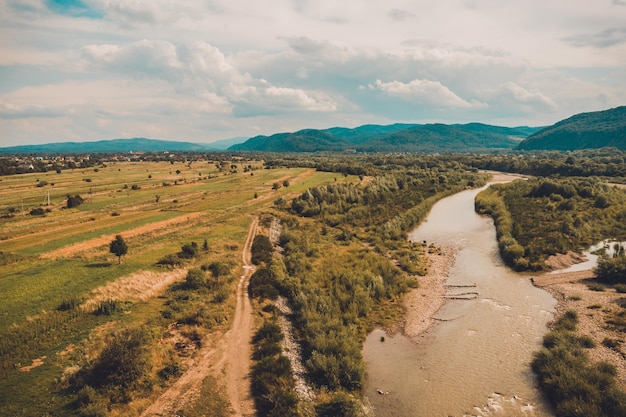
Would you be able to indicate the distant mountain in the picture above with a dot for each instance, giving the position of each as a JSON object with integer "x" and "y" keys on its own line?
{"x": 224, "y": 144}
{"x": 111, "y": 146}
{"x": 583, "y": 131}
{"x": 428, "y": 138}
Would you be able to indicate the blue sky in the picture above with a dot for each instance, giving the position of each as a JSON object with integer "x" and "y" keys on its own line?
{"x": 83, "y": 70}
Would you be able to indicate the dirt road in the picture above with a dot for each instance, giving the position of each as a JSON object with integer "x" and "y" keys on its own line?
{"x": 229, "y": 356}
{"x": 238, "y": 339}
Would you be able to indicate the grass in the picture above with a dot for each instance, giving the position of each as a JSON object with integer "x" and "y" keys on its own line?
{"x": 33, "y": 288}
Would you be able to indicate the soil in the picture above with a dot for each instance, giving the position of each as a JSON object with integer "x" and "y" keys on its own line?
{"x": 228, "y": 355}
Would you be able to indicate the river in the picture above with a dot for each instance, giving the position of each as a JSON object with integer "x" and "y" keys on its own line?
{"x": 475, "y": 361}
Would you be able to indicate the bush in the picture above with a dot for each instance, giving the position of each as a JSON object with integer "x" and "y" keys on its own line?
{"x": 611, "y": 270}
{"x": 171, "y": 370}
{"x": 170, "y": 260}
{"x": 188, "y": 250}
{"x": 340, "y": 404}
{"x": 74, "y": 201}
{"x": 123, "y": 361}
{"x": 261, "y": 249}
{"x": 620, "y": 288}
{"x": 594, "y": 286}
{"x": 218, "y": 269}
{"x": 573, "y": 385}
{"x": 271, "y": 378}
{"x": 39, "y": 211}
{"x": 195, "y": 279}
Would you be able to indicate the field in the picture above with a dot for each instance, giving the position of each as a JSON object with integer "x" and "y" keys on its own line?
{"x": 64, "y": 293}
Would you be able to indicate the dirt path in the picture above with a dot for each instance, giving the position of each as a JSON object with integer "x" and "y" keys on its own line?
{"x": 230, "y": 356}
{"x": 238, "y": 339}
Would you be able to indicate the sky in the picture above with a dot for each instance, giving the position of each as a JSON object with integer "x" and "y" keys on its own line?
{"x": 204, "y": 70}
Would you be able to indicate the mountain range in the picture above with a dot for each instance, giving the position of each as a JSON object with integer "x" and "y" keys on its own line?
{"x": 586, "y": 130}
{"x": 426, "y": 138}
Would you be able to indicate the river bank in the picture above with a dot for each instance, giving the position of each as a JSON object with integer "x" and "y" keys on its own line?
{"x": 595, "y": 309}
{"x": 422, "y": 303}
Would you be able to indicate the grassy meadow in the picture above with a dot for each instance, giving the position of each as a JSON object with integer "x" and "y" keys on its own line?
{"x": 51, "y": 263}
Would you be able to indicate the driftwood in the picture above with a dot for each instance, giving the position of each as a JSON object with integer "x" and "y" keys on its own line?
{"x": 461, "y": 296}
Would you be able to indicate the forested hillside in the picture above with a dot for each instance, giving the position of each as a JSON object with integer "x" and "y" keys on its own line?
{"x": 582, "y": 131}
{"x": 428, "y": 138}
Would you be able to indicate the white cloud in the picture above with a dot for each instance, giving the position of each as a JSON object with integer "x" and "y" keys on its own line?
{"x": 27, "y": 111}
{"x": 521, "y": 95}
{"x": 425, "y": 92}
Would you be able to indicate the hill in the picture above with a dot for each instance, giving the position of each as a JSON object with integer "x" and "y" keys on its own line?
{"x": 582, "y": 131}
{"x": 427, "y": 138}
{"x": 110, "y": 146}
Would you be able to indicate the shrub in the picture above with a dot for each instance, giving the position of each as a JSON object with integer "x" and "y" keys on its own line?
{"x": 218, "y": 269}
{"x": 39, "y": 211}
{"x": 171, "y": 370}
{"x": 261, "y": 249}
{"x": 195, "y": 279}
{"x": 611, "y": 270}
{"x": 123, "y": 361}
{"x": 594, "y": 286}
{"x": 188, "y": 250}
{"x": 74, "y": 201}
{"x": 170, "y": 260}
{"x": 341, "y": 404}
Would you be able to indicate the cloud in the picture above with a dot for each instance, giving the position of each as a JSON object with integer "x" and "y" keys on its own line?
{"x": 264, "y": 99}
{"x": 604, "y": 39}
{"x": 27, "y": 111}
{"x": 424, "y": 92}
{"x": 130, "y": 13}
{"x": 202, "y": 70}
{"x": 520, "y": 97}
{"x": 400, "y": 15}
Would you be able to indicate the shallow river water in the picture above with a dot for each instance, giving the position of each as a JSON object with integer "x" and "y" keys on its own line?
{"x": 475, "y": 361}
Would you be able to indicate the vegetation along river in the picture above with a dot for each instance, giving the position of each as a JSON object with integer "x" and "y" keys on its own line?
{"x": 475, "y": 360}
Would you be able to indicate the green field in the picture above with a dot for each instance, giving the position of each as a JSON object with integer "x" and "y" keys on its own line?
{"x": 57, "y": 259}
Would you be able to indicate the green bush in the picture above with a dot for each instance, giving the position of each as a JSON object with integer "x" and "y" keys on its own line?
{"x": 340, "y": 404}
{"x": 611, "y": 270}
{"x": 195, "y": 279}
{"x": 122, "y": 363}
{"x": 572, "y": 384}
{"x": 261, "y": 249}
{"x": 272, "y": 381}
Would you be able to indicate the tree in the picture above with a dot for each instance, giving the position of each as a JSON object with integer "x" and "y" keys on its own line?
{"x": 118, "y": 247}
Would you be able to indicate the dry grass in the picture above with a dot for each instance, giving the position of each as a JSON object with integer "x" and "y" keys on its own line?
{"x": 138, "y": 286}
